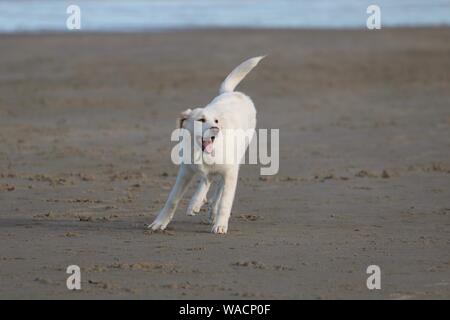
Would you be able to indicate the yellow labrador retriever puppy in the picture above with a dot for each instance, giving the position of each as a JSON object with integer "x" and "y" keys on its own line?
{"x": 229, "y": 116}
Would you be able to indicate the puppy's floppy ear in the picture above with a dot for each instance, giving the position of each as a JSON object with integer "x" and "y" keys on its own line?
{"x": 184, "y": 115}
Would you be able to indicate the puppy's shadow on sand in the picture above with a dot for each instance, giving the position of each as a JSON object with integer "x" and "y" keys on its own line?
{"x": 66, "y": 225}
{"x": 69, "y": 224}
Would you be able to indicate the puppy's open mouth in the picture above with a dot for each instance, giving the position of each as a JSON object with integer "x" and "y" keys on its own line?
{"x": 207, "y": 144}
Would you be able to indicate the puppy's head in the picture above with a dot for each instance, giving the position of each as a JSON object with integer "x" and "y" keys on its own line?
{"x": 203, "y": 125}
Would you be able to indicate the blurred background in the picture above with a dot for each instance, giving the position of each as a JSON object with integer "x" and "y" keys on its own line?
{"x": 133, "y": 15}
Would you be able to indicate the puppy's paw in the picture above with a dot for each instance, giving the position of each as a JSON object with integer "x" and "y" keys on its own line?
{"x": 158, "y": 225}
{"x": 191, "y": 212}
{"x": 197, "y": 208}
{"x": 219, "y": 229}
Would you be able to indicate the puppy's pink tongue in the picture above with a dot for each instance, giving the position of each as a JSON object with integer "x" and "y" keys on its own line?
{"x": 207, "y": 146}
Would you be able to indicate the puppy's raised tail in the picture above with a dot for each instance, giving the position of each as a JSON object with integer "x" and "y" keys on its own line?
{"x": 239, "y": 73}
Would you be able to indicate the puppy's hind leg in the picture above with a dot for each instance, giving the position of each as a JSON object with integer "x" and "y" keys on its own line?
{"x": 214, "y": 201}
{"x": 184, "y": 178}
{"x": 199, "y": 197}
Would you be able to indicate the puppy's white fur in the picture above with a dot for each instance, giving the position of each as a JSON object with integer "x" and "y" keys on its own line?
{"x": 229, "y": 110}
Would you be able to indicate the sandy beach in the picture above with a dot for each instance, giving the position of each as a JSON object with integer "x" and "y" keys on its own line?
{"x": 364, "y": 119}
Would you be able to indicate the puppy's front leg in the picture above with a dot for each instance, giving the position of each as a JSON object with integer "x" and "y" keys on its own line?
{"x": 226, "y": 202}
{"x": 184, "y": 178}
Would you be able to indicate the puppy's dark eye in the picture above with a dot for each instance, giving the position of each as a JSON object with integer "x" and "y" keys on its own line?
{"x": 202, "y": 120}
{"x": 216, "y": 121}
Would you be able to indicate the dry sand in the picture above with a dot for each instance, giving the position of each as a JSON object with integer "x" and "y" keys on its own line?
{"x": 364, "y": 119}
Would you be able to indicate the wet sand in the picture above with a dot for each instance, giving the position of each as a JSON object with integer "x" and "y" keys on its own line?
{"x": 364, "y": 119}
